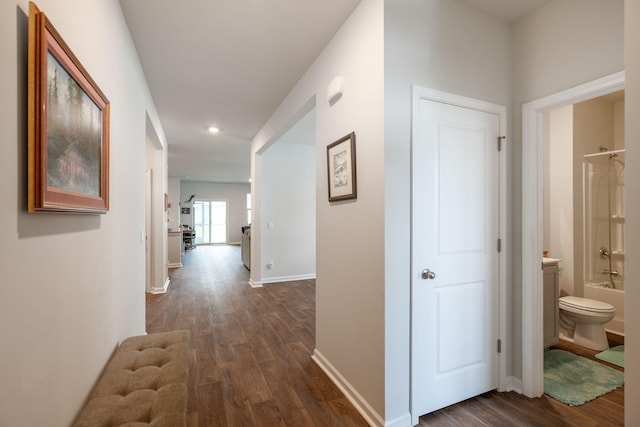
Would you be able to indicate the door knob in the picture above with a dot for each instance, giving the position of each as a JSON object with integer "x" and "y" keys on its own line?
{"x": 428, "y": 274}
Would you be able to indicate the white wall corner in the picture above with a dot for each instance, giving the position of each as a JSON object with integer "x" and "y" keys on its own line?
{"x": 401, "y": 421}
{"x": 362, "y": 406}
{"x": 162, "y": 289}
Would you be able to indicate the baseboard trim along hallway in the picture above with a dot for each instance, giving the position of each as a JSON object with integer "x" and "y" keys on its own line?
{"x": 361, "y": 405}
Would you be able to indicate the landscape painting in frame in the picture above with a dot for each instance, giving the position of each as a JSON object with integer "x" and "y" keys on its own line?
{"x": 341, "y": 168}
{"x": 68, "y": 127}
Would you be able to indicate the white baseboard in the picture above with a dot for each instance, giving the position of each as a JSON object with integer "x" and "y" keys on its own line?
{"x": 161, "y": 290}
{"x": 403, "y": 421}
{"x": 255, "y": 284}
{"x": 514, "y": 384}
{"x": 287, "y": 278}
{"x": 362, "y": 406}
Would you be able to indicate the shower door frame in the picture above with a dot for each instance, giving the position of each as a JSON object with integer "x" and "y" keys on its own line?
{"x": 532, "y": 185}
{"x": 591, "y": 269}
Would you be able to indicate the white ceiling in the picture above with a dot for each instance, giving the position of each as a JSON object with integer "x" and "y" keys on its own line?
{"x": 506, "y": 10}
{"x": 227, "y": 63}
{"x": 230, "y": 63}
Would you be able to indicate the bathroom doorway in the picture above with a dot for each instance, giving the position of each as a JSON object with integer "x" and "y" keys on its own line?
{"x": 533, "y": 154}
{"x": 583, "y": 211}
{"x": 583, "y": 204}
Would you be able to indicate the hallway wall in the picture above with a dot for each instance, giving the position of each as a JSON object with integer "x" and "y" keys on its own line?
{"x": 72, "y": 285}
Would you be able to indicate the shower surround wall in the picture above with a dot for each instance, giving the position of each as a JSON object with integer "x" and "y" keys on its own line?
{"x": 571, "y": 132}
{"x": 604, "y": 218}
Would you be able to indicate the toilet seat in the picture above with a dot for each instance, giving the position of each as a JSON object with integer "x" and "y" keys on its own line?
{"x": 572, "y": 303}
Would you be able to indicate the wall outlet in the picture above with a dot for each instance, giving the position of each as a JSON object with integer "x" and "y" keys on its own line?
{"x": 269, "y": 264}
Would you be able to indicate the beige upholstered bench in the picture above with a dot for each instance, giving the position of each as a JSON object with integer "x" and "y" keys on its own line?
{"x": 144, "y": 383}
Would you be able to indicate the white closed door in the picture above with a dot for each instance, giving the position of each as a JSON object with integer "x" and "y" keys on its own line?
{"x": 455, "y": 260}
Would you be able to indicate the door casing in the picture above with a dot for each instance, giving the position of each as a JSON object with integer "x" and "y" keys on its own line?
{"x": 532, "y": 227}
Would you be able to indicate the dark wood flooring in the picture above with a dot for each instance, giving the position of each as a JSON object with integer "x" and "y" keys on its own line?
{"x": 512, "y": 409}
{"x": 250, "y": 359}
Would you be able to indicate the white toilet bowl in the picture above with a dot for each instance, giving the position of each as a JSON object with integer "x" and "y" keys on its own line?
{"x": 582, "y": 321}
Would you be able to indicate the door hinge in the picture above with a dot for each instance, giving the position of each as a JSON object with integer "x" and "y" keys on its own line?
{"x": 499, "y": 245}
{"x": 499, "y": 346}
{"x": 500, "y": 139}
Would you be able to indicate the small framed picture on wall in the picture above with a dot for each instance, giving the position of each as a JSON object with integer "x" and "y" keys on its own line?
{"x": 186, "y": 211}
{"x": 341, "y": 168}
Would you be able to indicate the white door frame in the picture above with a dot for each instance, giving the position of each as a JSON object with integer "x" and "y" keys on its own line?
{"x": 148, "y": 230}
{"x": 532, "y": 184}
{"x": 156, "y": 160}
{"x": 474, "y": 104}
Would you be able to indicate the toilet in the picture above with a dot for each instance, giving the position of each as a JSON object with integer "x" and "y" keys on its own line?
{"x": 582, "y": 321}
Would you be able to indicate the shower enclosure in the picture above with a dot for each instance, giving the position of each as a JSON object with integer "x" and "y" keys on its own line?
{"x": 604, "y": 219}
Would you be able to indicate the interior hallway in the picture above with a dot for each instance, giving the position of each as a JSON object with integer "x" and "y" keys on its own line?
{"x": 251, "y": 365}
{"x": 250, "y": 361}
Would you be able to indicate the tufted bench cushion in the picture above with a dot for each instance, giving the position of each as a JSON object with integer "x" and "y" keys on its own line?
{"x": 145, "y": 383}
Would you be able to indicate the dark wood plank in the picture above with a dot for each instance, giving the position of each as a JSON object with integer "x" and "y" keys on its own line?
{"x": 211, "y": 409}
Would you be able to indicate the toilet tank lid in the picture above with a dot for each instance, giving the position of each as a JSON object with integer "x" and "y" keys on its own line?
{"x": 586, "y": 303}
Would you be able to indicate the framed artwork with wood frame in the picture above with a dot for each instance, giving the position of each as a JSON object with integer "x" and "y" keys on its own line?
{"x": 68, "y": 120}
{"x": 341, "y": 168}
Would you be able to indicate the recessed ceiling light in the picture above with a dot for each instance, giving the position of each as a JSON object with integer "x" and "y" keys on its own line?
{"x": 213, "y": 129}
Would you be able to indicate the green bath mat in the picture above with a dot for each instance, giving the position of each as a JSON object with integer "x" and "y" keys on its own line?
{"x": 613, "y": 355}
{"x": 575, "y": 380}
